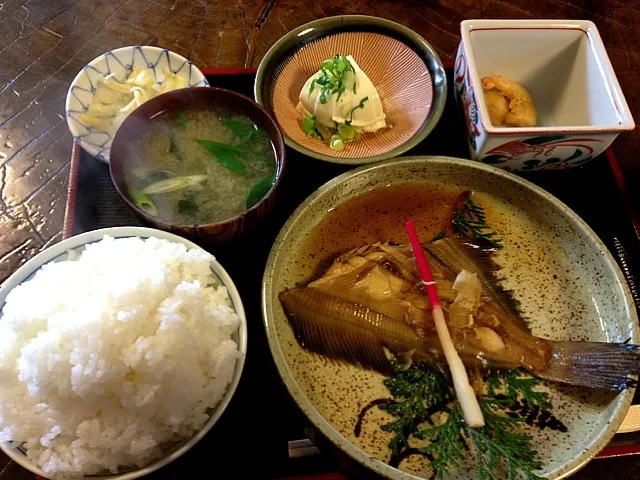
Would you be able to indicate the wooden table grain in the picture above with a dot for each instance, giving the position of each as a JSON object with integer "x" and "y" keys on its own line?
{"x": 44, "y": 43}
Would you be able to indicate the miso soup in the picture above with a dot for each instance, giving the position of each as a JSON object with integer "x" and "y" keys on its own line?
{"x": 200, "y": 166}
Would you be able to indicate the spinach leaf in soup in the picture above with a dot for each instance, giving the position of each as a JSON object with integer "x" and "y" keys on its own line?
{"x": 226, "y": 155}
{"x": 242, "y": 128}
{"x": 259, "y": 190}
{"x": 261, "y": 148}
{"x": 261, "y": 138}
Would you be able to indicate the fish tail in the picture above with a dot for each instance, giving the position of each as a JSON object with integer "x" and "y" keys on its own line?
{"x": 612, "y": 366}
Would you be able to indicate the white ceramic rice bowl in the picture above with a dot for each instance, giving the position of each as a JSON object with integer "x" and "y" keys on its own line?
{"x": 59, "y": 252}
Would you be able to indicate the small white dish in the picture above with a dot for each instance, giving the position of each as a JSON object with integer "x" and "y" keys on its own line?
{"x": 120, "y": 63}
{"x": 564, "y": 66}
{"x": 59, "y": 252}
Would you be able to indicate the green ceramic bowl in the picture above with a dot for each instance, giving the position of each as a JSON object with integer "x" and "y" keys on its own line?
{"x": 405, "y": 69}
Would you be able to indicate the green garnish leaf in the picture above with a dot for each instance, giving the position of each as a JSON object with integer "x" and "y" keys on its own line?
{"x": 418, "y": 389}
{"x": 469, "y": 221}
{"x": 517, "y": 386}
{"x": 143, "y": 202}
{"x": 217, "y": 146}
{"x": 332, "y": 77}
{"x": 425, "y": 408}
{"x": 226, "y": 155}
{"x": 360, "y": 105}
{"x": 181, "y": 118}
{"x": 310, "y": 128}
{"x": 259, "y": 190}
{"x": 242, "y": 129}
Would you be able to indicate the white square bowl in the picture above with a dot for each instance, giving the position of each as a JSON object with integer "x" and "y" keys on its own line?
{"x": 564, "y": 66}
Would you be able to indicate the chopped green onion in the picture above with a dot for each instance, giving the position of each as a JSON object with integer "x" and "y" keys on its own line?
{"x": 173, "y": 145}
{"x": 172, "y": 184}
{"x": 346, "y": 132}
{"x": 332, "y": 76}
{"x": 360, "y": 105}
{"x": 143, "y": 202}
{"x": 310, "y": 128}
{"x": 336, "y": 143}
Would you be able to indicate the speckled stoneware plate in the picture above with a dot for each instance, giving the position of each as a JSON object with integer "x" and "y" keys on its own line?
{"x": 119, "y": 63}
{"x": 403, "y": 67}
{"x": 569, "y": 286}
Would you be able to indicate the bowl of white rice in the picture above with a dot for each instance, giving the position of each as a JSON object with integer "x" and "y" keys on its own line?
{"x": 119, "y": 350}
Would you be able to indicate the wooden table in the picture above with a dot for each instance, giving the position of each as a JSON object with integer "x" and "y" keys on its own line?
{"x": 44, "y": 43}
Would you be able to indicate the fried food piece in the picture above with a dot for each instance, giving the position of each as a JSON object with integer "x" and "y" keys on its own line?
{"x": 520, "y": 110}
{"x": 497, "y": 105}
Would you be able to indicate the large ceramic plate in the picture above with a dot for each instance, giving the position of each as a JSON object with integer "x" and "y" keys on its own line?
{"x": 569, "y": 286}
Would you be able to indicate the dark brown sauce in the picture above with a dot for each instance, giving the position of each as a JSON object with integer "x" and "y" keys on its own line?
{"x": 396, "y": 460}
{"x": 378, "y": 216}
{"x": 374, "y": 403}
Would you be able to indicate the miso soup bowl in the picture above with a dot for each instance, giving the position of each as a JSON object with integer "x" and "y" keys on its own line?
{"x": 123, "y": 151}
{"x": 564, "y": 66}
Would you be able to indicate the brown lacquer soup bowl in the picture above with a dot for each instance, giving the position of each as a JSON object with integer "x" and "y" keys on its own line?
{"x": 126, "y": 151}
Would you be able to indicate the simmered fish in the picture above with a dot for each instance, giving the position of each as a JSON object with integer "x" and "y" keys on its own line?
{"x": 371, "y": 300}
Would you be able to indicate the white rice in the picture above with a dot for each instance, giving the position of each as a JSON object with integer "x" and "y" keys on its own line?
{"x": 104, "y": 359}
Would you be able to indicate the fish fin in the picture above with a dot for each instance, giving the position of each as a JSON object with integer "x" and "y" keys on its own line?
{"x": 323, "y": 331}
{"x": 482, "y": 252}
{"x": 478, "y": 258}
{"x": 593, "y": 364}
